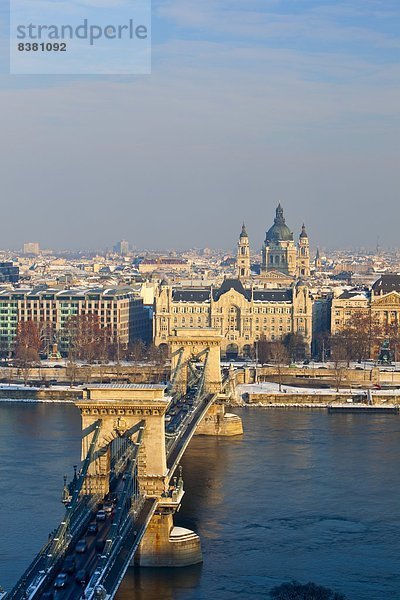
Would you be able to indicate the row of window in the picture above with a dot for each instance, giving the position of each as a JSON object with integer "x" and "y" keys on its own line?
{"x": 255, "y": 310}
{"x": 246, "y": 320}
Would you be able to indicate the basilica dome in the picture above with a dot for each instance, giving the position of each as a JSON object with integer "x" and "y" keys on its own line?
{"x": 279, "y": 232}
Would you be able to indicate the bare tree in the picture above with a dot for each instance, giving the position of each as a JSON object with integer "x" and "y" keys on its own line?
{"x": 391, "y": 332}
{"x": 154, "y": 354}
{"x": 360, "y": 335}
{"x": 296, "y": 347}
{"x": 27, "y": 345}
{"x": 47, "y": 337}
{"x": 280, "y": 358}
{"x": 339, "y": 357}
{"x": 86, "y": 339}
{"x": 263, "y": 350}
{"x": 322, "y": 345}
{"x": 137, "y": 351}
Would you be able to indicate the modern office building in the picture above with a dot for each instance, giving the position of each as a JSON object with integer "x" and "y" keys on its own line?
{"x": 9, "y": 273}
{"x": 120, "y": 310}
{"x": 121, "y": 248}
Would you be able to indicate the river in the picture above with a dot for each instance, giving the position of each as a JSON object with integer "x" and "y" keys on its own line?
{"x": 302, "y": 495}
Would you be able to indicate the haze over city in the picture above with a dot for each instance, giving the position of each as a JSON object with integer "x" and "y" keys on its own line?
{"x": 249, "y": 103}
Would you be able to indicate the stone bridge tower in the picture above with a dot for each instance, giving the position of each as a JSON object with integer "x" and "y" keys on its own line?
{"x": 120, "y": 409}
{"x": 188, "y": 343}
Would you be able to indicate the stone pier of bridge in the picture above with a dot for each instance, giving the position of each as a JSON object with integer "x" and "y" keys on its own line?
{"x": 205, "y": 343}
{"x": 120, "y": 408}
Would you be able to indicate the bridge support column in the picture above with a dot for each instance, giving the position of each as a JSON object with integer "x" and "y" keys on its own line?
{"x": 164, "y": 545}
{"x": 218, "y": 422}
{"x": 189, "y": 343}
{"x": 120, "y": 409}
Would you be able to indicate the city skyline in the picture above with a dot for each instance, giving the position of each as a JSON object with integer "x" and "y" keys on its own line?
{"x": 248, "y": 104}
{"x": 255, "y": 245}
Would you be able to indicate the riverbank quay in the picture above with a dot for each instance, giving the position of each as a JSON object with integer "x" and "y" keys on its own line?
{"x": 269, "y": 395}
{"x": 63, "y": 395}
{"x": 75, "y": 374}
{"x": 316, "y": 375}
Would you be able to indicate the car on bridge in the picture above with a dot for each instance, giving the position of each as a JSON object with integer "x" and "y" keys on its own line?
{"x": 81, "y": 546}
{"x": 61, "y": 581}
{"x": 69, "y": 565}
{"x": 101, "y": 515}
{"x": 170, "y": 428}
{"x": 108, "y": 508}
{"x": 100, "y": 543}
{"x": 81, "y": 576}
{"x": 93, "y": 528}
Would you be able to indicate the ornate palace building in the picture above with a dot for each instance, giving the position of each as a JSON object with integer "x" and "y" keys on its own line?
{"x": 241, "y": 315}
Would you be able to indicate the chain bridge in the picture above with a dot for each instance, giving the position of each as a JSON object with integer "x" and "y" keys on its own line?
{"x": 120, "y": 504}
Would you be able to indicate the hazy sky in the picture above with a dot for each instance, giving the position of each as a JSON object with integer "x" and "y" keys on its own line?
{"x": 250, "y": 102}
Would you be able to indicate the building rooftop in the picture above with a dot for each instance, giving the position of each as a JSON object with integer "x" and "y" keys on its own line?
{"x": 76, "y": 293}
{"x": 353, "y": 295}
{"x": 387, "y": 283}
{"x": 279, "y": 231}
{"x": 204, "y": 294}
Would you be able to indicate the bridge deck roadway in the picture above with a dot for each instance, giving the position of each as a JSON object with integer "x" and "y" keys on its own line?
{"x": 135, "y": 527}
{"x": 89, "y": 560}
{"x": 129, "y": 546}
{"x": 193, "y": 419}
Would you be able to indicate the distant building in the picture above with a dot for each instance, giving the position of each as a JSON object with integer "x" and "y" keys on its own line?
{"x": 279, "y": 252}
{"x": 241, "y": 315}
{"x": 150, "y": 265}
{"x": 381, "y": 303}
{"x": 31, "y": 248}
{"x": 122, "y": 248}
{"x": 317, "y": 261}
{"x": 120, "y": 310}
{"x": 282, "y": 261}
{"x": 345, "y": 306}
{"x": 9, "y": 273}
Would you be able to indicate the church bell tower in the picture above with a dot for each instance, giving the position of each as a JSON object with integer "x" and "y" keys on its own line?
{"x": 243, "y": 256}
{"x": 303, "y": 254}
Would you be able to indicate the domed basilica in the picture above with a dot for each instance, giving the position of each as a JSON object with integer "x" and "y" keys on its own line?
{"x": 281, "y": 258}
